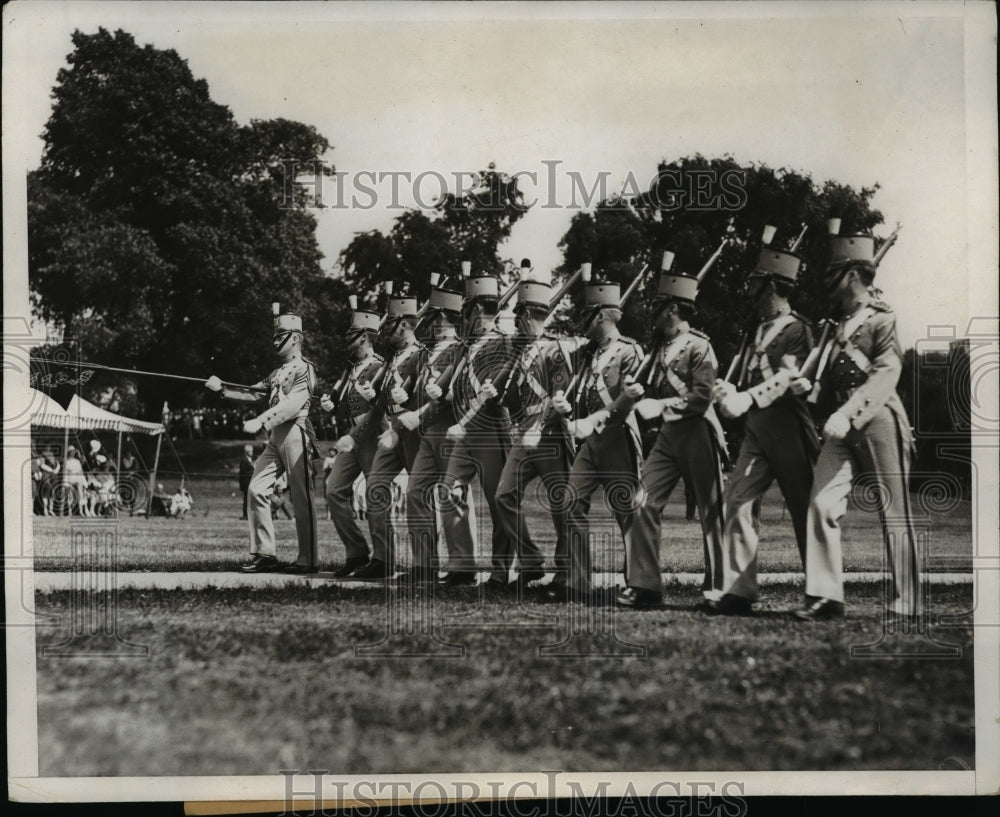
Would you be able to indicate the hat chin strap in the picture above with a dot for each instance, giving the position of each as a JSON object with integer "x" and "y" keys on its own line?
{"x": 284, "y": 342}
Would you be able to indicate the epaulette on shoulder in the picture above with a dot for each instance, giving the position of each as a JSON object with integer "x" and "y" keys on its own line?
{"x": 801, "y": 318}
{"x": 881, "y": 306}
{"x": 378, "y": 357}
{"x": 699, "y": 334}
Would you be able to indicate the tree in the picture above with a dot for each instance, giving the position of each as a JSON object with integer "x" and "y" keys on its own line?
{"x": 467, "y": 227}
{"x": 691, "y": 207}
{"x": 159, "y": 231}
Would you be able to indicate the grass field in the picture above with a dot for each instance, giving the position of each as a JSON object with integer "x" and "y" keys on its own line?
{"x": 251, "y": 681}
{"x": 213, "y": 538}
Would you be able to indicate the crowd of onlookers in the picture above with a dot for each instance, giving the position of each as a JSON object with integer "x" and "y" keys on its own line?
{"x": 225, "y": 423}
{"x": 86, "y": 482}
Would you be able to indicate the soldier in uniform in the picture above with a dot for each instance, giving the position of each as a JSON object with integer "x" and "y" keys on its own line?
{"x": 480, "y": 435}
{"x": 291, "y": 447}
{"x": 357, "y": 443}
{"x": 432, "y": 421}
{"x": 607, "y": 435}
{"x": 541, "y": 449}
{"x": 780, "y": 441}
{"x": 397, "y": 446}
{"x": 689, "y": 444}
{"x": 867, "y": 434}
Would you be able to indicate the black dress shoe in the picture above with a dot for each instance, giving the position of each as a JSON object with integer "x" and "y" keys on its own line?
{"x": 300, "y": 570}
{"x": 261, "y": 564}
{"x": 638, "y": 598}
{"x": 820, "y": 610}
{"x": 375, "y": 569}
{"x": 458, "y": 578}
{"x": 350, "y": 566}
{"x": 728, "y": 605}
{"x": 530, "y": 575}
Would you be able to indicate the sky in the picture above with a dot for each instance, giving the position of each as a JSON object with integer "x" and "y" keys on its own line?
{"x": 856, "y": 93}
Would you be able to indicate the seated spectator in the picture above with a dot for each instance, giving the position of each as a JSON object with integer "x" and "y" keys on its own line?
{"x": 160, "y": 504}
{"x": 180, "y": 503}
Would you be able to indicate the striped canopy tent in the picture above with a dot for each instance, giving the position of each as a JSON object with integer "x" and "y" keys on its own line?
{"x": 82, "y": 415}
{"x": 85, "y": 416}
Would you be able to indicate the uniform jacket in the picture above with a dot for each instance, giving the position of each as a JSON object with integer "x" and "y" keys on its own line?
{"x": 863, "y": 361}
{"x": 542, "y": 369}
{"x": 776, "y": 352}
{"x": 607, "y": 367}
{"x": 354, "y": 409}
{"x": 442, "y": 355}
{"x": 489, "y": 358}
{"x": 686, "y": 368}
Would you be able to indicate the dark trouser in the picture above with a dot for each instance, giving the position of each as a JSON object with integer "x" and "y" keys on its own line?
{"x": 684, "y": 448}
{"x": 426, "y": 480}
{"x": 773, "y": 449}
{"x": 482, "y": 453}
{"x": 551, "y": 461}
{"x": 609, "y": 459}
{"x": 386, "y": 466}
{"x": 880, "y": 452}
{"x": 245, "y": 489}
{"x": 340, "y": 492}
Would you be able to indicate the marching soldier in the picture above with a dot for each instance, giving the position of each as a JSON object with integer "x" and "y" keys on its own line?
{"x": 780, "y": 441}
{"x": 867, "y": 434}
{"x": 609, "y": 450}
{"x": 480, "y": 435}
{"x": 356, "y": 445}
{"x": 428, "y": 471}
{"x": 291, "y": 447}
{"x": 541, "y": 449}
{"x": 689, "y": 444}
{"x": 397, "y": 446}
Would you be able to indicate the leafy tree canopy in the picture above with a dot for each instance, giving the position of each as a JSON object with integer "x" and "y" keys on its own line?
{"x": 159, "y": 233}
{"x": 693, "y": 204}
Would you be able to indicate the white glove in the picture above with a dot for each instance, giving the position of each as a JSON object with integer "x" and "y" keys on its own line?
{"x": 434, "y": 391}
{"x": 455, "y": 433}
{"x": 735, "y": 404}
{"x": 560, "y": 403}
{"x": 836, "y": 427}
{"x": 366, "y": 391}
{"x": 344, "y": 444}
{"x": 398, "y": 395}
{"x": 633, "y": 389}
{"x": 488, "y": 391}
{"x": 801, "y": 385}
{"x": 388, "y": 440}
{"x": 326, "y": 403}
{"x": 583, "y": 428}
{"x": 722, "y": 389}
{"x": 532, "y": 437}
{"x": 650, "y": 407}
{"x": 409, "y": 420}
{"x": 213, "y": 384}
{"x": 252, "y": 426}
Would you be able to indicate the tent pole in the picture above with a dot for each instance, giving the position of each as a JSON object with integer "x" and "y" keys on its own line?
{"x": 152, "y": 479}
{"x": 65, "y": 493}
{"x": 118, "y": 466}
